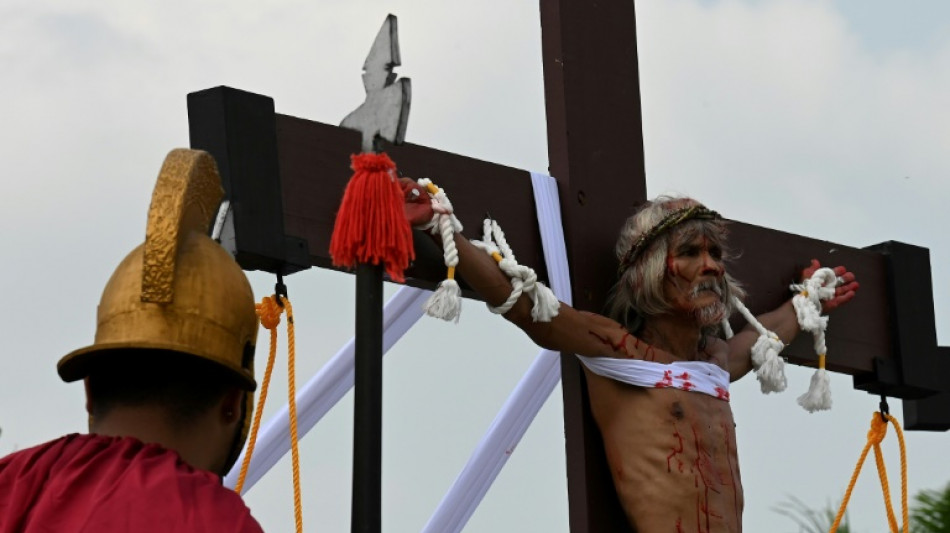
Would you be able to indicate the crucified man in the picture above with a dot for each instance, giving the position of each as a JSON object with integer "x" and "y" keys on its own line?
{"x": 658, "y": 369}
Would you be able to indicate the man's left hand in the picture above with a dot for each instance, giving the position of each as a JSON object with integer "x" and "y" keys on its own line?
{"x": 844, "y": 292}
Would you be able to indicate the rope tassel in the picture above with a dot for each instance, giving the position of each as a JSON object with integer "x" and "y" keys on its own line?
{"x": 446, "y": 301}
{"x": 768, "y": 364}
{"x": 820, "y": 286}
{"x": 371, "y": 226}
{"x": 818, "y": 396}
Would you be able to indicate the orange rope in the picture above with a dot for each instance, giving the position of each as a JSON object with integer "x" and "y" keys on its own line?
{"x": 875, "y": 436}
{"x": 269, "y": 312}
{"x": 292, "y": 408}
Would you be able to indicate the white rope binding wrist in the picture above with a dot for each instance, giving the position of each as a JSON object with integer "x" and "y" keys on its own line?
{"x": 523, "y": 279}
{"x": 768, "y": 364}
{"x": 807, "y": 302}
{"x": 446, "y": 301}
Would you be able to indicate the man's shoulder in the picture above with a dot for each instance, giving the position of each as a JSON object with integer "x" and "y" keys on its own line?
{"x": 117, "y": 480}
{"x": 53, "y": 449}
{"x": 197, "y": 498}
{"x": 717, "y": 350}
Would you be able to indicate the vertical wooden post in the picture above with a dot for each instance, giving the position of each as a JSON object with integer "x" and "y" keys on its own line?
{"x": 382, "y": 116}
{"x": 595, "y": 146}
{"x": 368, "y": 401}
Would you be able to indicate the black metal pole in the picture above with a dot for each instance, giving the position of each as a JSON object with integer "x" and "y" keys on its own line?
{"x": 368, "y": 401}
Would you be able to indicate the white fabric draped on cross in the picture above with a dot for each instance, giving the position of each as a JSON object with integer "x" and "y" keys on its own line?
{"x": 335, "y": 379}
{"x": 529, "y": 395}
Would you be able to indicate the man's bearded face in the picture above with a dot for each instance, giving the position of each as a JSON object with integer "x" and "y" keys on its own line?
{"x": 695, "y": 278}
{"x": 712, "y": 313}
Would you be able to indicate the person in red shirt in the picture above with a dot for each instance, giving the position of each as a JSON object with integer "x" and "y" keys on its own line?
{"x": 169, "y": 386}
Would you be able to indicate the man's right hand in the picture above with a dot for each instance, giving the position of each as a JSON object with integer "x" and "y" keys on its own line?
{"x": 418, "y": 204}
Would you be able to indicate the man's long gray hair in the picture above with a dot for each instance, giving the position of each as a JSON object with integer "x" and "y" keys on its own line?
{"x": 638, "y": 294}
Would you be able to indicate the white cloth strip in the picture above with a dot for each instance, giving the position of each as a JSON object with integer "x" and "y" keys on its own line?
{"x": 696, "y": 376}
{"x": 324, "y": 390}
{"x": 532, "y": 391}
{"x": 547, "y": 202}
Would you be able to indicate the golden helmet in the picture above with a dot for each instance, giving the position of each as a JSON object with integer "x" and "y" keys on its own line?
{"x": 179, "y": 290}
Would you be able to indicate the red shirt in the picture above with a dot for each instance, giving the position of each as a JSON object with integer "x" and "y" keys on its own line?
{"x": 95, "y": 484}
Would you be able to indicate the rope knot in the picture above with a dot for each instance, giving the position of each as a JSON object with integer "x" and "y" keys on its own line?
{"x": 766, "y": 360}
{"x": 878, "y": 429}
{"x": 545, "y": 304}
{"x": 269, "y": 312}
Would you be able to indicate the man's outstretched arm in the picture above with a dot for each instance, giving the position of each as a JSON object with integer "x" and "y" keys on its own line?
{"x": 784, "y": 322}
{"x": 570, "y": 331}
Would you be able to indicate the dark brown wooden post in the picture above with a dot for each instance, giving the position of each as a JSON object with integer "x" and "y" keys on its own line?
{"x": 595, "y": 148}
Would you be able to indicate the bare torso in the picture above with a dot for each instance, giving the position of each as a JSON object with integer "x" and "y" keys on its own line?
{"x": 672, "y": 453}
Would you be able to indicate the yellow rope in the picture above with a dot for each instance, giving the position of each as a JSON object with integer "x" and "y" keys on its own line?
{"x": 875, "y": 436}
{"x": 292, "y": 408}
{"x": 269, "y": 312}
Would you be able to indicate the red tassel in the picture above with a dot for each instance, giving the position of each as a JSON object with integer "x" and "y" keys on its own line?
{"x": 371, "y": 225}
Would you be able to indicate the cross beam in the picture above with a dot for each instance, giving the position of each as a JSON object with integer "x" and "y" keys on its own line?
{"x": 284, "y": 177}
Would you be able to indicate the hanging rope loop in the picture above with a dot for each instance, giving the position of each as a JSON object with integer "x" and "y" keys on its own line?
{"x": 876, "y": 435}
{"x": 269, "y": 314}
{"x": 269, "y": 311}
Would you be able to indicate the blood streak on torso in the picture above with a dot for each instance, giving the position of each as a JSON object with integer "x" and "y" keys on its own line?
{"x": 678, "y": 449}
{"x": 706, "y": 479}
{"x": 672, "y": 453}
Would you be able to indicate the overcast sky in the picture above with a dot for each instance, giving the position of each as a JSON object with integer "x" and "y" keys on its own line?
{"x": 828, "y": 119}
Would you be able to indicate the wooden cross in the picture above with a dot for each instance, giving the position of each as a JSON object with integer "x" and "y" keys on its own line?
{"x": 285, "y": 175}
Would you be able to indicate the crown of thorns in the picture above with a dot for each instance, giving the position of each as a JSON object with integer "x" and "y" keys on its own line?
{"x": 671, "y": 220}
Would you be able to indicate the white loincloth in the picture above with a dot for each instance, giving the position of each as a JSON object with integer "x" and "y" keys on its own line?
{"x": 694, "y": 376}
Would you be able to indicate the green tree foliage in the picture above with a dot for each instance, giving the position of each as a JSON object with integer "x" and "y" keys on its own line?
{"x": 811, "y": 520}
{"x": 930, "y": 512}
